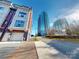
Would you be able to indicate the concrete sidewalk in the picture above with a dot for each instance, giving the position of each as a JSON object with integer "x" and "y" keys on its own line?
{"x": 46, "y": 52}
{"x": 29, "y": 50}
{"x": 18, "y": 50}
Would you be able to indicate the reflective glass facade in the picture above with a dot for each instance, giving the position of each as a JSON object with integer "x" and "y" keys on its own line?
{"x": 43, "y": 24}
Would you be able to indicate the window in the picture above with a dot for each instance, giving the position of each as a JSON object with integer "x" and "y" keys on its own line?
{"x": 1, "y": 9}
{"x": 19, "y": 23}
{"x": 22, "y": 14}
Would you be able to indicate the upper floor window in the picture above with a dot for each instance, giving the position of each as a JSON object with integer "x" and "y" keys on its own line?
{"x": 19, "y": 23}
{"x": 22, "y": 14}
{"x": 1, "y": 9}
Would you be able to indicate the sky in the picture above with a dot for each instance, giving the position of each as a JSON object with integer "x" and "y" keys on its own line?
{"x": 54, "y": 8}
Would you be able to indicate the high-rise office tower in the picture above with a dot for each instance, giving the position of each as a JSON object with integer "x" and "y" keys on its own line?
{"x": 43, "y": 22}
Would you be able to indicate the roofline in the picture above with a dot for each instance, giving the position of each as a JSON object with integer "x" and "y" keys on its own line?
{"x": 6, "y": 1}
{"x": 16, "y": 5}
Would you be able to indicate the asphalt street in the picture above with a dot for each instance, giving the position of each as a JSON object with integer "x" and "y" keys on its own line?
{"x": 67, "y": 48}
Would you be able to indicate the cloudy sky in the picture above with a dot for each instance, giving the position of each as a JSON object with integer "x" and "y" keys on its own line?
{"x": 54, "y": 8}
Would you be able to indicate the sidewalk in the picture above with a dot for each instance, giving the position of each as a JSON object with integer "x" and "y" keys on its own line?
{"x": 18, "y": 50}
{"x": 29, "y": 50}
{"x": 46, "y": 52}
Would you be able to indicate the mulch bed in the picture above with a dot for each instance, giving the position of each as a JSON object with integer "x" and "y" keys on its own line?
{"x": 26, "y": 51}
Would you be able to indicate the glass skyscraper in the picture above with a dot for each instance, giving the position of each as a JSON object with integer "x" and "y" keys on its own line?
{"x": 43, "y": 24}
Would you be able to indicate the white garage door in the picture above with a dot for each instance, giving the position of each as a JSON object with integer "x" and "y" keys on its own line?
{"x": 16, "y": 37}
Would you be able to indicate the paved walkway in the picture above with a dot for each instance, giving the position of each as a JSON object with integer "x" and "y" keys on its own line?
{"x": 18, "y": 50}
{"x": 29, "y": 50}
{"x": 47, "y": 52}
